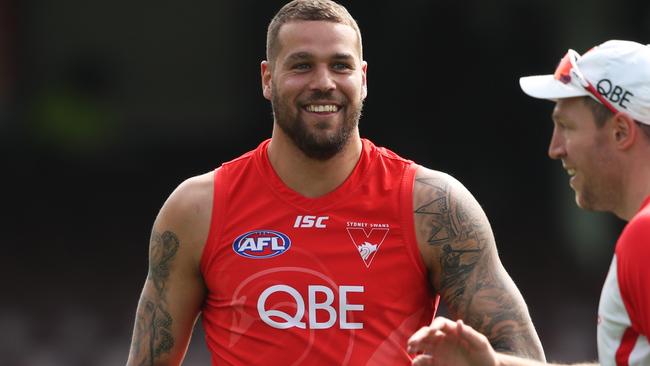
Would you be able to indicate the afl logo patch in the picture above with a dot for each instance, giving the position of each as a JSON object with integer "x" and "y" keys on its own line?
{"x": 260, "y": 244}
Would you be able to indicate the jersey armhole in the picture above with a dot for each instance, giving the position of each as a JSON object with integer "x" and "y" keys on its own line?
{"x": 408, "y": 225}
{"x": 216, "y": 220}
{"x": 408, "y": 222}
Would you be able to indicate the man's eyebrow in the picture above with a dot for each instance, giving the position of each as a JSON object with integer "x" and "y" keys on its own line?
{"x": 301, "y": 56}
{"x": 343, "y": 56}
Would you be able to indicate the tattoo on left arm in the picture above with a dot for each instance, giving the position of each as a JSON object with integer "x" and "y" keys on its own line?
{"x": 460, "y": 240}
{"x": 471, "y": 283}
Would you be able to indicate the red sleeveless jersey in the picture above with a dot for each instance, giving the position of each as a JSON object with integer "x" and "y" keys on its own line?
{"x": 333, "y": 280}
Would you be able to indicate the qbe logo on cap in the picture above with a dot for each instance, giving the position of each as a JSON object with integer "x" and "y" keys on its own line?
{"x": 260, "y": 244}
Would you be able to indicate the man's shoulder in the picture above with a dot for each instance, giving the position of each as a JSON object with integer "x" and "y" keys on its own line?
{"x": 192, "y": 196}
{"x": 436, "y": 178}
{"x": 437, "y": 192}
{"x": 198, "y": 190}
{"x": 198, "y": 182}
{"x": 187, "y": 211}
{"x": 635, "y": 236}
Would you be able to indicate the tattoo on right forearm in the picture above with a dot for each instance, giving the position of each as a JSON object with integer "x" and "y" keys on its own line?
{"x": 153, "y": 335}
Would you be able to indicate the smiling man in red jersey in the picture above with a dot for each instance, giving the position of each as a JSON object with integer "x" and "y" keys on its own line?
{"x": 318, "y": 247}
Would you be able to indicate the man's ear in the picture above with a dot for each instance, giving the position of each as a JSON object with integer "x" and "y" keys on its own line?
{"x": 364, "y": 80}
{"x": 265, "y": 69}
{"x": 625, "y": 130}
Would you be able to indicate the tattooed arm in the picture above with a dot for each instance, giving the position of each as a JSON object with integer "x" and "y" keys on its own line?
{"x": 458, "y": 247}
{"x": 173, "y": 291}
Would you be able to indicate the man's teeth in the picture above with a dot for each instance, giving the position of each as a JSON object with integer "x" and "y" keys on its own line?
{"x": 318, "y": 108}
{"x": 571, "y": 172}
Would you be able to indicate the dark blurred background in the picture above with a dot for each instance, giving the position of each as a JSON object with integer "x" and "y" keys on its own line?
{"x": 105, "y": 107}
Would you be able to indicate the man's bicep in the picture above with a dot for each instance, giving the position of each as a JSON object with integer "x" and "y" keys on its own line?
{"x": 174, "y": 289}
{"x": 169, "y": 303}
{"x": 456, "y": 240}
{"x": 452, "y": 236}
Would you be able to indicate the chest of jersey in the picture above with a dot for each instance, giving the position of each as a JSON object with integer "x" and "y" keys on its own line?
{"x": 294, "y": 278}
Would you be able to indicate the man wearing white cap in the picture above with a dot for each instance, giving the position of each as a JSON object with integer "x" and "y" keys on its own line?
{"x": 602, "y": 136}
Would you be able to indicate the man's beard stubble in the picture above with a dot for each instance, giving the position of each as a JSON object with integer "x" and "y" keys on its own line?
{"x": 315, "y": 147}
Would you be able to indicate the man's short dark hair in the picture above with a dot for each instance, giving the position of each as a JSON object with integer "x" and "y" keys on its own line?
{"x": 305, "y": 10}
{"x": 602, "y": 114}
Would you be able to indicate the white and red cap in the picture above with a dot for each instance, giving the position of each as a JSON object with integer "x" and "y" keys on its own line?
{"x": 615, "y": 73}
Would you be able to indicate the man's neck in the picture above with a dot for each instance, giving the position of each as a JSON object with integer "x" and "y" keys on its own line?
{"x": 310, "y": 177}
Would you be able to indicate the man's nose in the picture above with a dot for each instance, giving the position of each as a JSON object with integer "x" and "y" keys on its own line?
{"x": 322, "y": 79}
{"x": 556, "y": 148}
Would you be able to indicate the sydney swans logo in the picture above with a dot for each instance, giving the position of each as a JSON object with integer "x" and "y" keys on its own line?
{"x": 367, "y": 239}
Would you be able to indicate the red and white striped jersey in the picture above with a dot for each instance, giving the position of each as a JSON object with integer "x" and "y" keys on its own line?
{"x": 624, "y": 309}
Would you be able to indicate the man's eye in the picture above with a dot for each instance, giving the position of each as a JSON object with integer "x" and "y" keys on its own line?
{"x": 301, "y": 66}
{"x": 564, "y": 126}
{"x": 341, "y": 66}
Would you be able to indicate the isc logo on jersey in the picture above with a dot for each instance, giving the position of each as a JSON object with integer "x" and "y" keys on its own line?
{"x": 260, "y": 244}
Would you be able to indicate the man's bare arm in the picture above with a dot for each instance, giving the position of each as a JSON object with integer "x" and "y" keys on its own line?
{"x": 458, "y": 246}
{"x": 173, "y": 291}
